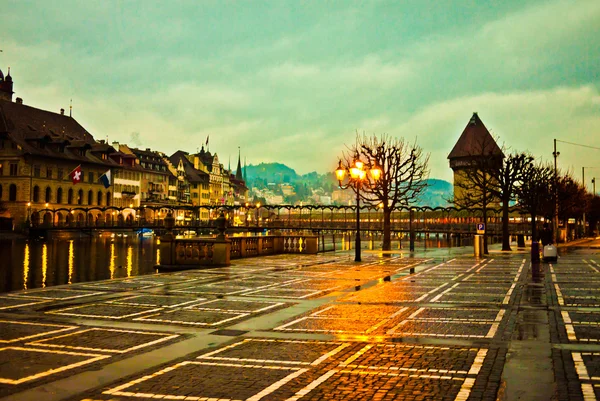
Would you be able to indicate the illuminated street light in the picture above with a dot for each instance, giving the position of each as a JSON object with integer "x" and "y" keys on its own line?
{"x": 358, "y": 176}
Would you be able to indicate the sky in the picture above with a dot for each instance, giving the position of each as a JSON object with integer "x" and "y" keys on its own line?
{"x": 294, "y": 81}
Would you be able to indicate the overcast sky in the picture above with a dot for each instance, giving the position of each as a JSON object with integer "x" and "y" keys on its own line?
{"x": 292, "y": 81}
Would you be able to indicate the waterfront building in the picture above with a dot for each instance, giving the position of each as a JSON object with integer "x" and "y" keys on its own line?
{"x": 198, "y": 181}
{"x": 474, "y": 147}
{"x": 38, "y": 150}
{"x": 155, "y": 175}
{"x": 127, "y": 182}
{"x": 209, "y": 163}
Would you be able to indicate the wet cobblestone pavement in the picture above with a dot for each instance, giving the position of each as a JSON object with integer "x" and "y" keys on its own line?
{"x": 432, "y": 326}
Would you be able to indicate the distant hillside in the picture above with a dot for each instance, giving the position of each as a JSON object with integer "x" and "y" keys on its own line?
{"x": 271, "y": 172}
{"x": 437, "y": 193}
{"x": 260, "y": 176}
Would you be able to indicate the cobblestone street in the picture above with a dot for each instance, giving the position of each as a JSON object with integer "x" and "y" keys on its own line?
{"x": 440, "y": 325}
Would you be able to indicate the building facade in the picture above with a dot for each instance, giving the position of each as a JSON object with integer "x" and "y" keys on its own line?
{"x": 38, "y": 150}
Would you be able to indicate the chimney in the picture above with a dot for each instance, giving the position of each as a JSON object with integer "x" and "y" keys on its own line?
{"x": 62, "y": 112}
{"x": 19, "y": 100}
{"x": 147, "y": 149}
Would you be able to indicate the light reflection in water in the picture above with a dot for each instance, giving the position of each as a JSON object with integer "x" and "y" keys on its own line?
{"x": 45, "y": 265}
{"x": 71, "y": 261}
{"x": 26, "y": 267}
{"x": 129, "y": 260}
{"x": 158, "y": 252}
{"x": 111, "y": 265}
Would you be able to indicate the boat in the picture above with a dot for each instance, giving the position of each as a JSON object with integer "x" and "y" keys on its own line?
{"x": 145, "y": 232}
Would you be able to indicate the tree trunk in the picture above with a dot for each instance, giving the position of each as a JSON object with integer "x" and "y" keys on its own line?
{"x": 533, "y": 228}
{"x": 387, "y": 235}
{"x": 505, "y": 233}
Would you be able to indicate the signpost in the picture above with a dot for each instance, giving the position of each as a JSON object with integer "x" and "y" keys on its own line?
{"x": 478, "y": 242}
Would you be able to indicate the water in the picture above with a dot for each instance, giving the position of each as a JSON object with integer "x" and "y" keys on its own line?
{"x": 28, "y": 264}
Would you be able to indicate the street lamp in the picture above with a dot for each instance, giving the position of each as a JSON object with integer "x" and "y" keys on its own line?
{"x": 358, "y": 175}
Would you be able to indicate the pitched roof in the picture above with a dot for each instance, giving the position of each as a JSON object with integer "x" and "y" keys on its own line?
{"x": 475, "y": 140}
{"x": 192, "y": 175}
{"x": 28, "y": 127}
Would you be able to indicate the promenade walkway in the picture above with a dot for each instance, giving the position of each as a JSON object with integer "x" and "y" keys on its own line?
{"x": 437, "y": 325}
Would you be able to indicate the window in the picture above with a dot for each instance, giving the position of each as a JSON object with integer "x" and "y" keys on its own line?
{"x": 0, "y": 192}
{"x": 80, "y": 197}
{"x": 70, "y": 197}
{"x": 59, "y": 174}
{"x": 13, "y": 169}
{"x": 48, "y": 172}
{"x": 91, "y": 177}
{"x": 1, "y": 170}
{"x": 12, "y": 193}
{"x": 36, "y": 171}
{"x": 108, "y": 199}
{"x": 195, "y": 195}
{"x": 59, "y": 195}
{"x": 90, "y": 200}
{"x": 99, "y": 198}
{"x": 48, "y": 195}
{"x": 36, "y": 194}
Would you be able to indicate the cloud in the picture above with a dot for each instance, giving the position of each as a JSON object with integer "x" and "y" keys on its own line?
{"x": 523, "y": 121}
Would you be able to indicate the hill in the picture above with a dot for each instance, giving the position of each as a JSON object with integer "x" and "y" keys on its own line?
{"x": 272, "y": 175}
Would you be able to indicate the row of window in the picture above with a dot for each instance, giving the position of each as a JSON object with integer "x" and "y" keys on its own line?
{"x": 13, "y": 169}
{"x": 60, "y": 173}
{"x": 72, "y": 197}
{"x": 127, "y": 188}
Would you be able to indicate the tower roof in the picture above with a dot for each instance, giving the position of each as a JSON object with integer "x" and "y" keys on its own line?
{"x": 475, "y": 140}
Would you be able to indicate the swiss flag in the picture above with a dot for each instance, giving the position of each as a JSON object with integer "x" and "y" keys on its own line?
{"x": 76, "y": 175}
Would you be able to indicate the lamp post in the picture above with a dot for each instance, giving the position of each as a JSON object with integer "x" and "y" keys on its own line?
{"x": 358, "y": 175}
{"x": 28, "y": 219}
{"x": 584, "y": 190}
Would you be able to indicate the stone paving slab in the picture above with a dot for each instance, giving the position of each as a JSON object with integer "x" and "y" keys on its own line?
{"x": 22, "y": 364}
{"x": 57, "y": 294}
{"x": 15, "y": 331}
{"x": 104, "y": 340}
{"x": 167, "y": 301}
{"x": 194, "y": 317}
{"x": 13, "y": 302}
{"x": 238, "y": 305}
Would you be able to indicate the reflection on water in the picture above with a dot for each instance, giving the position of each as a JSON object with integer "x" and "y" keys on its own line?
{"x": 27, "y": 264}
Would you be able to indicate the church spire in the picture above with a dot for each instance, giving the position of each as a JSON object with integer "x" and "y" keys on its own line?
{"x": 6, "y": 86}
{"x": 238, "y": 172}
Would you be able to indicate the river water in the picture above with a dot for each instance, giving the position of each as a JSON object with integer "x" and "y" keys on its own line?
{"x": 28, "y": 264}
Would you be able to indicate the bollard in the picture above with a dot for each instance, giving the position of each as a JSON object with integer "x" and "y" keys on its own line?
{"x": 535, "y": 252}
{"x": 477, "y": 246}
{"x": 520, "y": 241}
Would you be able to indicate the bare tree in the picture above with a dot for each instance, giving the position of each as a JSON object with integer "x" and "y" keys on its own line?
{"x": 534, "y": 194}
{"x": 403, "y": 174}
{"x": 477, "y": 186}
{"x": 571, "y": 197}
{"x": 506, "y": 178}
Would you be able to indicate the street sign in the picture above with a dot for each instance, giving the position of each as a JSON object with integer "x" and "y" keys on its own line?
{"x": 480, "y": 228}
